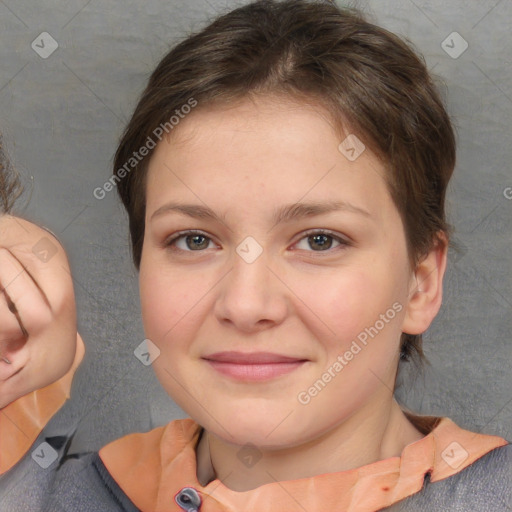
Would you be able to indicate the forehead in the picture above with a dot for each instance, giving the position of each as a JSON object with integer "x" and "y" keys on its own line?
{"x": 266, "y": 150}
{"x": 257, "y": 115}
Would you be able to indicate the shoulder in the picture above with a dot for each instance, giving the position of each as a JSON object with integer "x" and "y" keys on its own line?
{"x": 129, "y": 466}
{"x": 151, "y": 450}
{"x": 82, "y": 484}
{"x": 485, "y": 484}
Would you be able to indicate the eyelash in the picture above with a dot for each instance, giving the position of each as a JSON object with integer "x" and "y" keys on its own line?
{"x": 344, "y": 243}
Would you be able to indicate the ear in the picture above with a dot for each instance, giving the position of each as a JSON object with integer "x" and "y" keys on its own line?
{"x": 426, "y": 289}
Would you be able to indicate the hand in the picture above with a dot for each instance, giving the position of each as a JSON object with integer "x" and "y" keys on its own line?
{"x": 38, "y": 333}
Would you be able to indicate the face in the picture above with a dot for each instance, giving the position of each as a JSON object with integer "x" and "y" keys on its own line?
{"x": 311, "y": 302}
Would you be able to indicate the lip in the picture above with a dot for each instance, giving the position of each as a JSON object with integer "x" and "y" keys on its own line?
{"x": 251, "y": 358}
{"x": 253, "y": 366}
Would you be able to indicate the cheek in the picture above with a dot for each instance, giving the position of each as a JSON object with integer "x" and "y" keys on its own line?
{"x": 343, "y": 303}
{"x": 355, "y": 312}
{"x": 168, "y": 301}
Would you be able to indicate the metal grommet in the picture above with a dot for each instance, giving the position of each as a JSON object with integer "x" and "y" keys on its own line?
{"x": 188, "y": 499}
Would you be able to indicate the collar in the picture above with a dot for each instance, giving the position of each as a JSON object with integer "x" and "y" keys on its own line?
{"x": 153, "y": 468}
{"x": 23, "y": 420}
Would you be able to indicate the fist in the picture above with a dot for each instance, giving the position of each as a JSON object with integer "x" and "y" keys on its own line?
{"x": 38, "y": 332}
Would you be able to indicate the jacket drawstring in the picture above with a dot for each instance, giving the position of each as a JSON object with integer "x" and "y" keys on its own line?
{"x": 188, "y": 499}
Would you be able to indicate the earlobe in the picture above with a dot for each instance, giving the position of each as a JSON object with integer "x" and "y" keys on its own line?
{"x": 426, "y": 289}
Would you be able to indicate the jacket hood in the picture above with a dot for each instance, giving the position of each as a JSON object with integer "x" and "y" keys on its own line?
{"x": 157, "y": 471}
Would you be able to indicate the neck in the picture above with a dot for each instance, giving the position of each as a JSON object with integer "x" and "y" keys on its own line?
{"x": 383, "y": 433}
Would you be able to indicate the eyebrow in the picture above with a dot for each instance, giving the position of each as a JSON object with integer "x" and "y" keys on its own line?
{"x": 286, "y": 213}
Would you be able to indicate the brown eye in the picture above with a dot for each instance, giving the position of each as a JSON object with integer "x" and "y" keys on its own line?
{"x": 323, "y": 242}
{"x": 319, "y": 241}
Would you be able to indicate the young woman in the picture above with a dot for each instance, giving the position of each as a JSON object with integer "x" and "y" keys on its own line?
{"x": 284, "y": 173}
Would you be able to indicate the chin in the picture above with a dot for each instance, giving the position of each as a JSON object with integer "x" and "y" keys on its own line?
{"x": 260, "y": 428}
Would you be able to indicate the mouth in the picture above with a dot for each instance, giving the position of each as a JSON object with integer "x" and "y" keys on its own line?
{"x": 255, "y": 366}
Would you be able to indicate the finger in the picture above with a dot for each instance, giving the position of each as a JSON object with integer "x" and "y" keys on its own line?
{"x": 29, "y": 303}
{"x": 44, "y": 258}
{"x": 12, "y": 340}
{"x": 9, "y": 326}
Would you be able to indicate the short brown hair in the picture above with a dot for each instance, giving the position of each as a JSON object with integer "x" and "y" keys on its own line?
{"x": 10, "y": 186}
{"x": 368, "y": 80}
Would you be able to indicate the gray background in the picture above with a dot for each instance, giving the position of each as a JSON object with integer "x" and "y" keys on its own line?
{"x": 62, "y": 117}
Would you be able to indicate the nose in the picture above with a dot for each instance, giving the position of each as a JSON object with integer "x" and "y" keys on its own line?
{"x": 252, "y": 296}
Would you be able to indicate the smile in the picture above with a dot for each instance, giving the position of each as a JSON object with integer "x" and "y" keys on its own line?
{"x": 257, "y": 366}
